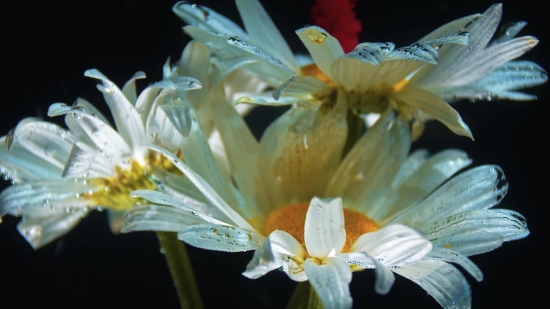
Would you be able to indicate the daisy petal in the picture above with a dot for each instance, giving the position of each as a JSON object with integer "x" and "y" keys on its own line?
{"x": 433, "y": 106}
{"x": 324, "y": 227}
{"x": 477, "y": 189}
{"x": 129, "y": 89}
{"x": 127, "y": 119}
{"x": 446, "y": 284}
{"x": 206, "y": 18}
{"x": 393, "y": 245}
{"x": 158, "y": 218}
{"x": 221, "y": 238}
{"x": 164, "y": 199}
{"x": 279, "y": 249}
{"x": 43, "y": 229}
{"x": 384, "y": 276}
{"x": 264, "y": 33}
{"x": 505, "y": 225}
{"x": 322, "y": 46}
{"x": 331, "y": 282}
{"x": 204, "y": 187}
{"x": 453, "y": 257}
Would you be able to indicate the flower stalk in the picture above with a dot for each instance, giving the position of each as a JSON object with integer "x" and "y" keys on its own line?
{"x": 181, "y": 271}
{"x": 304, "y": 297}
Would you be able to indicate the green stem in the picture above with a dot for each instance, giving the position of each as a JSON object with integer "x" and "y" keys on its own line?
{"x": 304, "y": 297}
{"x": 181, "y": 270}
{"x": 355, "y": 130}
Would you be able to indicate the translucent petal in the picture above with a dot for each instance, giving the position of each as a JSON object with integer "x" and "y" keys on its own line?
{"x": 158, "y": 218}
{"x": 46, "y": 141}
{"x": 86, "y": 162}
{"x": 330, "y": 281}
{"x": 394, "y": 245}
{"x": 447, "y": 285}
{"x": 433, "y": 106}
{"x": 41, "y": 230}
{"x": 477, "y": 189}
{"x": 179, "y": 116}
{"x": 322, "y": 47}
{"x": 221, "y": 238}
{"x": 264, "y": 33}
{"x": 507, "y": 224}
{"x": 247, "y": 161}
{"x": 454, "y": 257}
{"x": 424, "y": 179}
{"x": 324, "y": 229}
{"x": 384, "y": 276}
{"x": 164, "y": 199}
{"x": 18, "y": 165}
{"x": 508, "y": 32}
{"x": 205, "y": 188}
{"x": 17, "y": 199}
{"x": 304, "y": 88}
{"x": 127, "y": 119}
{"x": 129, "y": 89}
{"x": 206, "y": 18}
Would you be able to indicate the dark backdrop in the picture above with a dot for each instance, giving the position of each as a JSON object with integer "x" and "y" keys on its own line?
{"x": 47, "y": 46}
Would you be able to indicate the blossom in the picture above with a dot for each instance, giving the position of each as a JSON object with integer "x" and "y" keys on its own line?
{"x": 60, "y": 175}
{"x": 414, "y": 80}
{"x": 293, "y": 200}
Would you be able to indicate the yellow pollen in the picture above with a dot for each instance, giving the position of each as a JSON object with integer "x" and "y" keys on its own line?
{"x": 313, "y": 70}
{"x": 291, "y": 219}
{"x": 114, "y": 192}
{"x": 402, "y": 83}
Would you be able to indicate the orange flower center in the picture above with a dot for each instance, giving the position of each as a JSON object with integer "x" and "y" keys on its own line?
{"x": 291, "y": 219}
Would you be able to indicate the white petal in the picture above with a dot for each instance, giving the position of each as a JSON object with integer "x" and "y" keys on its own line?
{"x": 453, "y": 257}
{"x": 420, "y": 269}
{"x": 394, "y": 245}
{"x": 179, "y": 116}
{"x": 17, "y": 199}
{"x": 264, "y": 33}
{"x": 158, "y": 218}
{"x": 206, "y": 18}
{"x": 129, "y": 89}
{"x": 107, "y": 140}
{"x": 322, "y": 46}
{"x": 246, "y": 160}
{"x": 476, "y": 189}
{"x": 447, "y": 285}
{"x": 279, "y": 249}
{"x": 205, "y": 188}
{"x": 324, "y": 229}
{"x": 164, "y": 199}
{"x": 127, "y": 120}
{"x": 41, "y": 230}
{"x": 331, "y": 282}
{"x": 433, "y": 106}
{"x": 425, "y": 179}
{"x": 86, "y": 162}
{"x": 46, "y": 141}
{"x": 384, "y": 276}
{"x": 19, "y": 165}
{"x": 507, "y": 225}
{"x": 305, "y": 88}
{"x": 221, "y": 238}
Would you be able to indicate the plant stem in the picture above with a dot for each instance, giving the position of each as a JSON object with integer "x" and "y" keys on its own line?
{"x": 304, "y": 297}
{"x": 355, "y": 130}
{"x": 181, "y": 270}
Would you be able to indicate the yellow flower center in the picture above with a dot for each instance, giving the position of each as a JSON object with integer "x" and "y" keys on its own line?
{"x": 115, "y": 191}
{"x": 291, "y": 219}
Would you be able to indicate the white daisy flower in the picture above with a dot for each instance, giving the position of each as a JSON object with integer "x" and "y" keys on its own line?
{"x": 414, "y": 80}
{"x": 60, "y": 175}
{"x": 293, "y": 200}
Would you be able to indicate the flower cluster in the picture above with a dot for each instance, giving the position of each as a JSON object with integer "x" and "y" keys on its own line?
{"x": 312, "y": 197}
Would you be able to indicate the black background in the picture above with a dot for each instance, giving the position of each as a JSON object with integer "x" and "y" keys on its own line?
{"x": 46, "y": 47}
